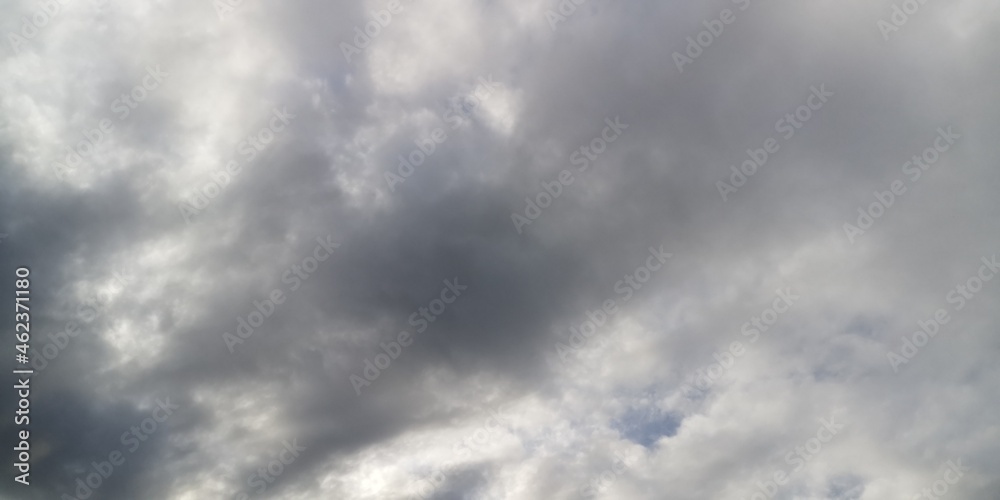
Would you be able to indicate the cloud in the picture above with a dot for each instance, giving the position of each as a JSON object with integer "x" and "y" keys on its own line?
{"x": 423, "y": 429}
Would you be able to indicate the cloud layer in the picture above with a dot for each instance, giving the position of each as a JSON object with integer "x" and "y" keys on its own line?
{"x": 505, "y": 249}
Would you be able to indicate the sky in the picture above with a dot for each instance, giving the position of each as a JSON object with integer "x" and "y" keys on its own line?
{"x": 502, "y": 249}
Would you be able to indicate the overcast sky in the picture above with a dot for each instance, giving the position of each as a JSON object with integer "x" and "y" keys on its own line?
{"x": 504, "y": 249}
